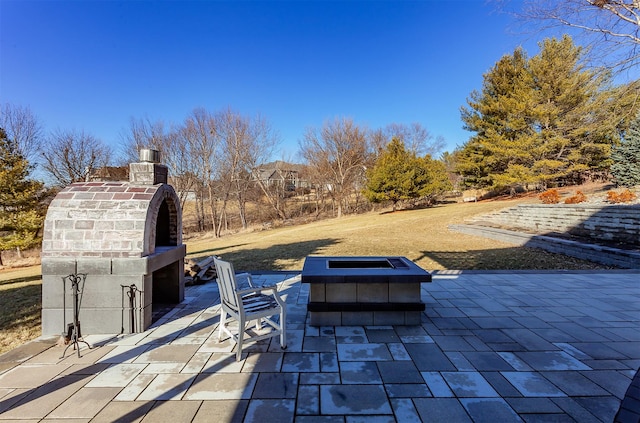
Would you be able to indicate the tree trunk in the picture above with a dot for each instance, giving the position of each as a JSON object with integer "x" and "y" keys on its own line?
{"x": 242, "y": 210}
{"x": 273, "y": 202}
{"x": 214, "y": 212}
{"x": 200, "y": 213}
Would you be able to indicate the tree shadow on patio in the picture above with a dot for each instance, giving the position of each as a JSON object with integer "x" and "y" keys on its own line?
{"x": 515, "y": 258}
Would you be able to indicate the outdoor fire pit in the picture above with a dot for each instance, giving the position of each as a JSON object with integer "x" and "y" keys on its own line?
{"x": 364, "y": 290}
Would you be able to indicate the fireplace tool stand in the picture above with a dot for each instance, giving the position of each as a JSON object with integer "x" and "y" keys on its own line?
{"x": 73, "y": 335}
{"x": 131, "y": 291}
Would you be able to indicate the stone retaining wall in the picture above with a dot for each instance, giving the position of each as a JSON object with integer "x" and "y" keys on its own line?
{"x": 611, "y": 223}
{"x": 628, "y": 259}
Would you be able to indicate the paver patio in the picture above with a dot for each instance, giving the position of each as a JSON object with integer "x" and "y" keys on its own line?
{"x": 492, "y": 346}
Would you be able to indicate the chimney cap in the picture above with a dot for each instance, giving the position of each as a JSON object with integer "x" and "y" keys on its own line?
{"x": 149, "y": 155}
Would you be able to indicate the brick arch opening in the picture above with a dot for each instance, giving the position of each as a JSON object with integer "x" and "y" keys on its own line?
{"x": 163, "y": 226}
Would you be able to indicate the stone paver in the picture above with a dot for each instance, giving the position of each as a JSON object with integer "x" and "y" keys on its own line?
{"x": 85, "y": 403}
{"x": 354, "y": 399}
{"x": 469, "y": 384}
{"x": 492, "y": 346}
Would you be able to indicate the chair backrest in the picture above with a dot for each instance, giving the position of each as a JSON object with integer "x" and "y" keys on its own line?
{"x": 227, "y": 285}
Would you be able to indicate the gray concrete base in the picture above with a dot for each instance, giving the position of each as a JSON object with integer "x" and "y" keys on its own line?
{"x": 105, "y": 305}
{"x": 340, "y": 299}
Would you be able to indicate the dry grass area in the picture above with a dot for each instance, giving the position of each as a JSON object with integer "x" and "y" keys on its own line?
{"x": 420, "y": 235}
{"x": 20, "y": 304}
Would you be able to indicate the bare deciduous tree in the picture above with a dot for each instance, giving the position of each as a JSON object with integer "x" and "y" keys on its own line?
{"x": 246, "y": 144}
{"x": 416, "y": 138}
{"x": 337, "y": 153}
{"x": 23, "y": 127}
{"x": 174, "y": 153}
{"x": 199, "y": 134}
{"x": 209, "y": 155}
{"x": 232, "y": 130}
{"x": 258, "y": 149}
{"x": 179, "y": 160}
{"x": 144, "y": 133}
{"x": 610, "y": 27}
{"x": 71, "y": 156}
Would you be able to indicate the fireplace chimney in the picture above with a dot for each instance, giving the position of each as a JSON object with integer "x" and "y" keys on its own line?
{"x": 148, "y": 171}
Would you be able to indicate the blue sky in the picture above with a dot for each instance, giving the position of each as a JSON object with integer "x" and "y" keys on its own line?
{"x": 93, "y": 65}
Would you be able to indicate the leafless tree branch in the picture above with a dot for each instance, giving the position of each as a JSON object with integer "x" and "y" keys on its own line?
{"x": 71, "y": 156}
{"x": 609, "y": 28}
{"x": 23, "y": 127}
{"x": 337, "y": 153}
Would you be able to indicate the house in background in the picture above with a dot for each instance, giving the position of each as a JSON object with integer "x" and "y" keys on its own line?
{"x": 283, "y": 174}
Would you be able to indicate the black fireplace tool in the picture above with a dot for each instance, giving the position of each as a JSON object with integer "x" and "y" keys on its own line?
{"x": 131, "y": 293}
{"x": 73, "y": 335}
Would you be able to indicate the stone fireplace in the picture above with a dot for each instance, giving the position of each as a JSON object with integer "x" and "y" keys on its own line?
{"x": 126, "y": 237}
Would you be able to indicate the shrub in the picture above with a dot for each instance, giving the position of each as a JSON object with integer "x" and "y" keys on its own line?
{"x": 550, "y": 196}
{"x": 578, "y": 198}
{"x": 626, "y": 167}
{"x": 625, "y": 196}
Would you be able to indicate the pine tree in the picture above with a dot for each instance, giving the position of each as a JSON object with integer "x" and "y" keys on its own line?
{"x": 571, "y": 117}
{"x": 434, "y": 179}
{"x": 399, "y": 175}
{"x": 20, "y": 213}
{"x": 499, "y": 117}
{"x": 626, "y": 157}
{"x": 543, "y": 120}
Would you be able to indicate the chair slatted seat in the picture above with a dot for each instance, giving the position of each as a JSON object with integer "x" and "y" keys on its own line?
{"x": 259, "y": 304}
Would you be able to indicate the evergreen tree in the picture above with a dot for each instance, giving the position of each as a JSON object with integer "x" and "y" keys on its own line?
{"x": 399, "y": 175}
{"x": 573, "y": 125}
{"x": 626, "y": 157}
{"x": 433, "y": 180}
{"x": 540, "y": 120}
{"x": 499, "y": 115}
{"x": 20, "y": 213}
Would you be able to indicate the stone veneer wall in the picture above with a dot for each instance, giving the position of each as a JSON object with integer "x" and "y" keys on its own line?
{"x": 626, "y": 259}
{"x": 611, "y": 223}
{"x": 108, "y": 219}
{"x": 367, "y": 304}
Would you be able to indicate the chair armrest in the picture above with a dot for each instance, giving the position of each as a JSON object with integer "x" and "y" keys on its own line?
{"x": 256, "y": 290}
{"x": 274, "y": 293}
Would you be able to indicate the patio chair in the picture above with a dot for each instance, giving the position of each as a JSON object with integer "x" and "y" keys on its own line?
{"x": 259, "y": 304}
